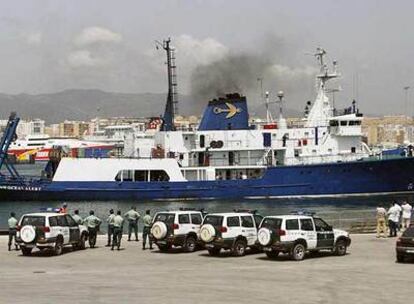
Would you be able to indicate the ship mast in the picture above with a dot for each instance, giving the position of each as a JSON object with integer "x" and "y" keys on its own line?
{"x": 321, "y": 110}
{"x": 171, "y": 106}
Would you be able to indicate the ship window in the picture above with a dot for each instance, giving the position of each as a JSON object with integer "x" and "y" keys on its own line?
{"x": 333, "y": 123}
{"x": 141, "y": 175}
{"x": 159, "y": 175}
{"x": 118, "y": 177}
{"x": 353, "y": 149}
{"x": 343, "y": 123}
{"x": 202, "y": 141}
{"x": 127, "y": 175}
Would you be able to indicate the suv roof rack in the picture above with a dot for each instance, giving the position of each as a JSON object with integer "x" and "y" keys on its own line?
{"x": 245, "y": 211}
{"x": 303, "y": 212}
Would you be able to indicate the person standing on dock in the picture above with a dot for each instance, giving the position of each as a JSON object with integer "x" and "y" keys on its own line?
{"x": 381, "y": 221}
{"x": 406, "y": 215}
{"x": 394, "y": 218}
{"x": 64, "y": 208}
{"x": 118, "y": 228}
{"x": 12, "y": 222}
{"x": 76, "y": 217}
{"x": 110, "y": 221}
{"x": 132, "y": 216}
{"x": 147, "y": 219}
{"x": 92, "y": 223}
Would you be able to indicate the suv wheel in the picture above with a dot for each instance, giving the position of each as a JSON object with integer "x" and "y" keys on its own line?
{"x": 272, "y": 254}
{"x": 239, "y": 248}
{"x": 298, "y": 252}
{"x": 214, "y": 251}
{"x": 340, "y": 248}
{"x": 400, "y": 258}
{"x": 58, "y": 247}
{"x": 82, "y": 242}
{"x": 26, "y": 251}
{"x": 190, "y": 244}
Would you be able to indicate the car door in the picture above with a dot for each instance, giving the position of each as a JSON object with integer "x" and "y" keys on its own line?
{"x": 196, "y": 220}
{"x": 249, "y": 229}
{"x": 184, "y": 224}
{"x": 63, "y": 228}
{"x": 307, "y": 231}
{"x": 233, "y": 226}
{"x": 324, "y": 232}
{"x": 74, "y": 231}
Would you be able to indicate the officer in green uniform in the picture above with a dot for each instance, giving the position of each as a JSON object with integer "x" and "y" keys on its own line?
{"x": 110, "y": 221}
{"x": 92, "y": 223}
{"x": 118, "y": 227}
{"x": 132, "y": 216}
{"x": 147, "y": 219}
{"x": 12, "y": 230}
{"x": 77, "y": 218}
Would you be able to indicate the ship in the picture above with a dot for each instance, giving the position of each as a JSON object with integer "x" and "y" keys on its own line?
{"x": 39, "y": 147}
{"x": 228, "y": 157}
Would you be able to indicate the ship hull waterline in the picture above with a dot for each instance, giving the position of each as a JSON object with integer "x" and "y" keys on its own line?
{"x": 359, "y": 178}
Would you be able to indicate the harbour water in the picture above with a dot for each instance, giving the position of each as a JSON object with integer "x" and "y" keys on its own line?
{"x": 340, "y": 212}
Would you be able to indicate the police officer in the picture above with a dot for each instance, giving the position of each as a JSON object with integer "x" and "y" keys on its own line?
{"x": 147, "y": 219}
{"x": 118, "y": 227}
{"x": 110, "y": 221}
{"x": 77, "y": 218}
{"x": 12, "y": 230}
{"x": 132, "y": 216}
{"x": 92, "y": 223}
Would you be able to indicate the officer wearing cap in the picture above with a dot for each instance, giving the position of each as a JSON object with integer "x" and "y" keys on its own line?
{"x": 12, "y": 222}
{"x": 132, "y": 216}
{"x": 92, "y": 223}
{"x": 110, "y": 221}
{"x": 76, "y": 217}
{"x": 147, "y": 219}
{"x": 118, "y": 227}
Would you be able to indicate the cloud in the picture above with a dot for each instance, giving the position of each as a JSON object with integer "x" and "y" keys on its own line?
{"x": 95, "y": 34}
{"x": 34, "y": 38}
{"x": 84, "y": 58}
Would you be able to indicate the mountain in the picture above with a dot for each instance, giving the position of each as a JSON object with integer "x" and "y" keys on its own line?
{"x": 81, "y": 104}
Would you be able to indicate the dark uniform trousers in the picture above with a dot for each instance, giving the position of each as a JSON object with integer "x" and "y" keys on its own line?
{"x": 117, "y": 235}
{"x": 12, "y": 235}
{"x": 145, "y": 234}
{"x": 110, "y": 233}
{"x": 133, "y": 225}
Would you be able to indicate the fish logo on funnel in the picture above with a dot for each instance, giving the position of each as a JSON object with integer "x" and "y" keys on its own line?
{"x": 231, "y": 110}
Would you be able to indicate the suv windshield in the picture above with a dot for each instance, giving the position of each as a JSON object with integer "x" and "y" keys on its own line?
{"x": 214, "y": 220}
{"x": 274, "y": 223}
{"x": 409, "y": 232}
{"x": 167, "y": 218}
{"x": 37, "y": 221}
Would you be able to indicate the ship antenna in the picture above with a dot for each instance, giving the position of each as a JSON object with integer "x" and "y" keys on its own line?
{"x": 171, "y": 107}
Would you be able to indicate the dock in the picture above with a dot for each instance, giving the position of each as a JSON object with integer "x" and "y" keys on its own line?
{"x": 367, "y": 274}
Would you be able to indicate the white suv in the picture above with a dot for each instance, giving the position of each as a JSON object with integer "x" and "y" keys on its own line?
{"x": 231, "y": 231}
{"x": 176, "y": 228}
{"x": 49, "y": 231}
{"x": 297, "y": 234}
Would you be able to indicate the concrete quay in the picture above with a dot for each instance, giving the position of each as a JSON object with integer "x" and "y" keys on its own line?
{"x": 367, "y": 274}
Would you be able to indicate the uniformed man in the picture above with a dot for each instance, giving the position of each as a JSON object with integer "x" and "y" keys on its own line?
{"x": 110, "y": 221}
{"x": 12, "y": 230}
{"x": 381, "y": 221}
{"x": 92, "y": 223}
{"x": 118, "y": 228}
{"x": 132, "y": 216}
{"x": 147, "y": 219}
{"x": 77, "y": 218}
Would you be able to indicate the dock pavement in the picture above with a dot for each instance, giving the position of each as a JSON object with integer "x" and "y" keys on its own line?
{"x": 367, "y": 274}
